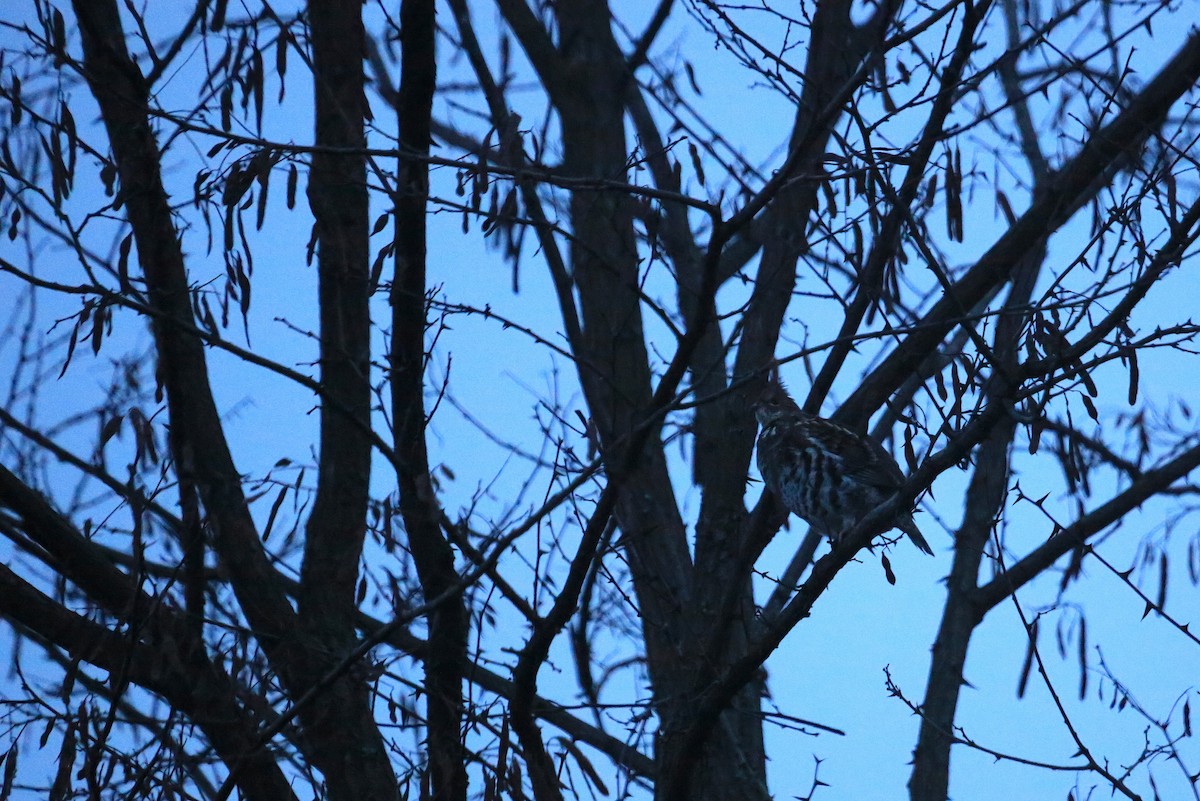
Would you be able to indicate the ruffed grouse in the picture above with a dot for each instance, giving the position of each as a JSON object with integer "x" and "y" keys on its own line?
{"x": 825, "y": 473}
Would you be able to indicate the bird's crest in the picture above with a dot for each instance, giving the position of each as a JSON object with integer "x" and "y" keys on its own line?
{"x": 773, "y": 403}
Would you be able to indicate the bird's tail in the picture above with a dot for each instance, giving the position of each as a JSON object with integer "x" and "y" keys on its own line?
{"x": 909, "y": 527}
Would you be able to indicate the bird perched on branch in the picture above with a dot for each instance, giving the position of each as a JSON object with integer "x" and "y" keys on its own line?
{"x": 824, "y": 473}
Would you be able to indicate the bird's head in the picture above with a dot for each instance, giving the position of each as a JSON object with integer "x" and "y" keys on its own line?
{"x": 774, "y": 403}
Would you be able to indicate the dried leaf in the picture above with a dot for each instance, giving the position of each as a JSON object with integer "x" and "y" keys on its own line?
{"x": 14, "y": 96}
{"x": 264, "y": 183}
{"x": 954, "y": 208}
{"x": 516, "y": 786}
{"x": 111, "y": 427}
{"x": 1163, "y": 572}
{"x": 10, "y": 771}
{"x": 1083, "y": 667}
{"x": 1006, "y": 207}
{"x": 257, "y": 78}
{"x": 377, "y": 265}
{"x": 1027, "y": 666}
{"x": 691, "y": 76}
{"x": 1134, "y": 376}
{"x": 67, "y": 122}
{"x": 59, "y": 32}
{"x": 931, "y": 188}
{"x": 1086, "y": 377}
{"x": 830, "y": 198}
{"x": 1091, "y": 408}
{"x": 236, "y": 184}
{"x": 697, "y": 165}
{"x": 281, "y": 57}
{"x": 887, "y": 569}
{"x": 61, "y": 789}
{"x": 589, "y": 771}
{"x": 1035, "y": 434}
{"x": 98, "y": 320}
{"x": 274, "y": 511}
{"x": 1168, "y": 179}
{"x": 123, "y": 259}
{"x": 227, "y": 108}
{"x": 72, "y": 341}
{"x": 939, "y": 381}
{"x": 380, "y": 223}
{"x": 292, "y": 179}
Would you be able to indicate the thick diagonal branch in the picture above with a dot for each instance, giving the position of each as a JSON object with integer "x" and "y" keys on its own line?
{"x": 167, "y": 659}
{"x": 1062, "y": 194}
{"x": 198, "y": 441}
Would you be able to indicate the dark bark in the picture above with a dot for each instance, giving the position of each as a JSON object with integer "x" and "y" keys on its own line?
{"x": 432, "y": 554}
{"x": 712, "y": 700}
{"x": 615, "y": 371}
{"x": 871, "y": 283}
{"x": 185, "y": 679}
{"x": 732, "y": 761}
{"x": 337, "y": 195}
{"x": 985, "y": 497}
{"x": 1069, "y": 188}
{"x": 168, "y": 659}
{"x": 586, "y": 79}
{"x": 347, "y": 744}
{"x": 199, "y": 445}
{"x": 967, "y": 603}
{"x": 594, "y": 217}
{"x": 201, "y": 450}
{"x": 985, "y": 502}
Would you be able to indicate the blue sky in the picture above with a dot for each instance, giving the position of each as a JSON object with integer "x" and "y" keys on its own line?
{"x": 831, "y": 668}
